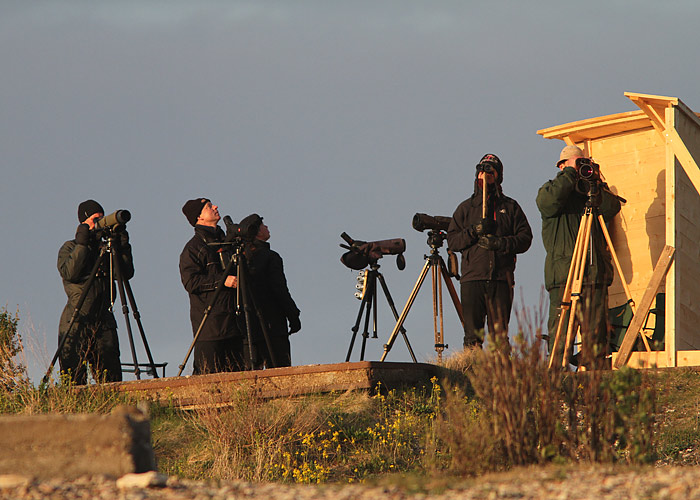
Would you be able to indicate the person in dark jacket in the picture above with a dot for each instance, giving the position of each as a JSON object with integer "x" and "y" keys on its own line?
{"x": 562, "y": 207}
{"x": 268, "y": 286}
{"x": 92, "y": 340}
{"x": 489, "y": 246}
{"x": 220, "y": 345}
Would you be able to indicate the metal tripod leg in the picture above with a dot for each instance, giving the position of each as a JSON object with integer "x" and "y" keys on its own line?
{"x": 435, "y": 263}
{"x": 453, "y": 292}
{"x": 440, "y": 274}
{"x": 406, "y": 309}
{"x": 125, "y": 308}
{"x": 437, "y": 313}
{"x": 137, "y": 317}
{"x": 368, "y": 299}
{"x": 365, "y": 302}
{"x": 396, "y": 316}
{"x": 372, "y": 307}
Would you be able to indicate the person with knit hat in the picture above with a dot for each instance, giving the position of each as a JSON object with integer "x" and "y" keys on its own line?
{"x": 92, "y": 341}
{"x": 489, "y": 229}
{"x": 221, "y": 345}
{"x": 268, "y": 286}
{"x": 562, "y": 207}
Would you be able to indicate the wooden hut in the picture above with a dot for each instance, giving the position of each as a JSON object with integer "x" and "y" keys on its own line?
{"x": 649, "y": 158}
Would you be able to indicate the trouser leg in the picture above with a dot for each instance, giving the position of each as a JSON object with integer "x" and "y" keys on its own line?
{"x": 591, "y": 314}
{"x": 281, "y": 350}
{"x": 595, "y": 336}
{"x": 499, "y": 301}
{"x": 213, "y": 356}
{"x": 72, "y": 361}
{"x": 484, "y": 301}
{"x": 473, "y": 299}
{"x": 104, "y": 356}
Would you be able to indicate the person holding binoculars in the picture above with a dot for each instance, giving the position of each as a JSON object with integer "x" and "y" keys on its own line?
{"x": 489, "y": 229}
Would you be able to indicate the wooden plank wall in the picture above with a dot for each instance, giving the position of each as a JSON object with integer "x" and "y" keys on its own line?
{"x": 687, "y": 236}
{"x": 633, "y": 165}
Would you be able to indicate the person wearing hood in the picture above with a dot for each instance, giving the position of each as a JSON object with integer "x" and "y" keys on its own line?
{"x": 489, "y": 229}
{"x": 270, "y": 293}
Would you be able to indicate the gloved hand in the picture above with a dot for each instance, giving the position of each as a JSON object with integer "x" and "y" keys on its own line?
{"x": 491, "y": 242}
{"x": 294, "y": 325}
{"x": 82, "y": 234}
{"x": 484, "y": 227}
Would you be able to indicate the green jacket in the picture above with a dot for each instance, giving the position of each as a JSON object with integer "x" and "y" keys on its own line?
{"x": 562, "y": 209}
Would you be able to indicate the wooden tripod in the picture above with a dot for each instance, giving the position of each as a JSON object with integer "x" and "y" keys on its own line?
{"x": 574, "y": 285}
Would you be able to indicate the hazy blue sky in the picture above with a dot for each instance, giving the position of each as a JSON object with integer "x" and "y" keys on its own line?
{"x": 322, "y": 116}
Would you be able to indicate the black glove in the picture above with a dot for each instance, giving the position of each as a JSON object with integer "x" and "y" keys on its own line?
{"x": 294, "y": 325}
{"x": 491, "y": 242}
{"x": 82, "y": 234}
{"x": 484, "y": 227}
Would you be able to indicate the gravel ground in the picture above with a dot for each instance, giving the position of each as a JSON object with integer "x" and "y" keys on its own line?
{"x": 597, "y": 483}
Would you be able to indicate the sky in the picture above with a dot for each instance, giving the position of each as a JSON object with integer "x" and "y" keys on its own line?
{"x": 322, "y": 116}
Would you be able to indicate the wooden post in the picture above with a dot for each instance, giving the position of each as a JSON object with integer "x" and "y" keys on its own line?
{"x": 635, "y": 326}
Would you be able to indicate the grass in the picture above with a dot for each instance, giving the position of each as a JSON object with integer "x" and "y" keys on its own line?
{"x": 500, "y": 410}
{"x": 678, "y": 433}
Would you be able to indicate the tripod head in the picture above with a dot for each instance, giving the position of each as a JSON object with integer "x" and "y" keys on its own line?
{"x": 436, "y": 239}
{"x": 437, "y": 228}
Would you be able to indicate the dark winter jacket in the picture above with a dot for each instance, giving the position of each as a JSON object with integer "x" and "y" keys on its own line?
{"x": 269, "y": 287}
{"x": 201, "y": 270}
{"x": 562, "y": 209}
{"x": 511, "y": 224}
{"x": 75, "y": 265}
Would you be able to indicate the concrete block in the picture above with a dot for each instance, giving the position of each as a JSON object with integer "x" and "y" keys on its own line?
{"x": 69, "y": 446}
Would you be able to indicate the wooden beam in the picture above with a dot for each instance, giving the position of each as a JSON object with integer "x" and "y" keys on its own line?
{"x": 637, "y": 322}
{"x": 659, "y": 101}
{"x": 656, "y": 359}
{"x": 684, "y": 157}
{"x": 652, "y": 106}
{"x": 657, "y": 121}
{"x": 643, "y": 359}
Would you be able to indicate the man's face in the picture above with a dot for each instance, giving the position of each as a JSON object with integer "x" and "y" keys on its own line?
{"x": 263, "y": 232}
{"x": 209, "y": 215}
{"x": 490, "y": 178}
{"x": 90, "y": 221}
{"x": 486, "y": 172}
{"x": 571, "y": 162}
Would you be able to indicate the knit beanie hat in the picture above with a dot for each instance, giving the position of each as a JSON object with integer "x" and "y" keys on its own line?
{"x": 87, "y": 208}
{"x": 192, "y": 209}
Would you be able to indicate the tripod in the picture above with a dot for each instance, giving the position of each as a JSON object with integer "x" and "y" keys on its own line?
{"x": 109, "y": 252}
{"x": 369, "y": 301}
{"x": 244, "y": 297}
{"x": 574, "y": 281}
{"x": 435, "y": 263}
